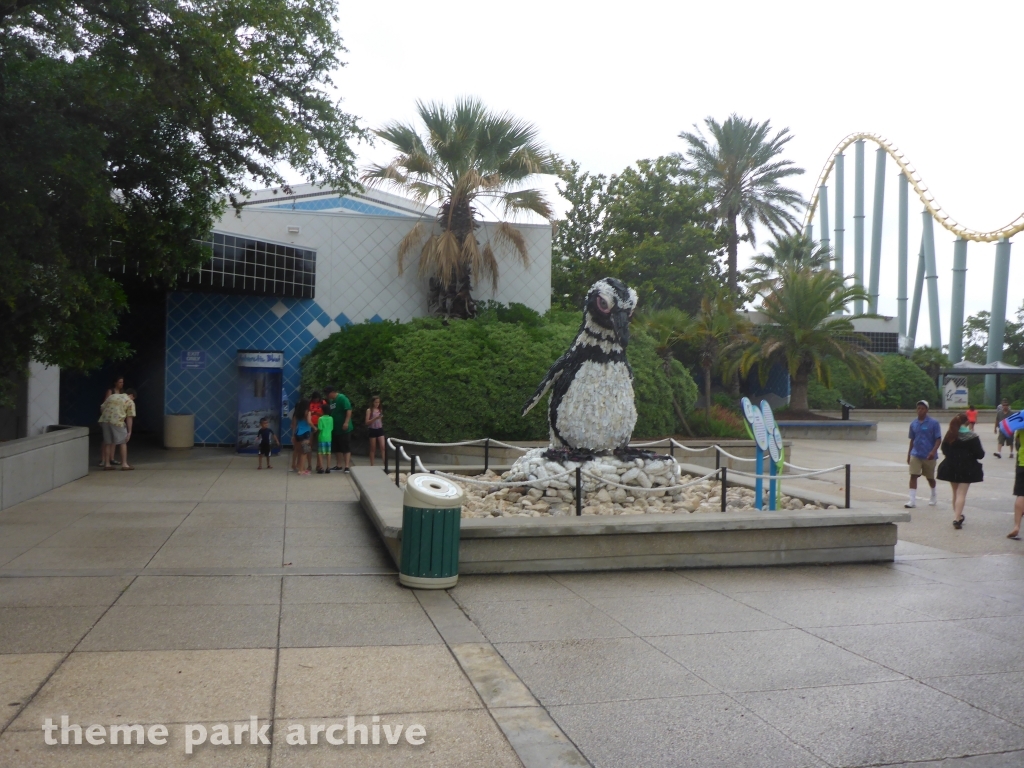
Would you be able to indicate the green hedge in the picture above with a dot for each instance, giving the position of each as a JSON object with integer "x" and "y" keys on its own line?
{"x": 905, "y": 384}
{"x": 352, "y": 360}
{"x": 463, "y": 379}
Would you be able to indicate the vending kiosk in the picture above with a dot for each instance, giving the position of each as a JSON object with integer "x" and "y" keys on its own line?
{"x": 259, "y": 396}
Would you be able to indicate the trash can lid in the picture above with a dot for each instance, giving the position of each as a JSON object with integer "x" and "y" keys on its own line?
{"x": 432, "y": 492}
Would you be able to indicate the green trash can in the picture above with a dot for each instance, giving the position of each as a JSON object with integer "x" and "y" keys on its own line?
{"x": 431, "y": 524}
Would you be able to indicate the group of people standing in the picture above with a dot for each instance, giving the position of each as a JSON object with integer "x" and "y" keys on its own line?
{"x": 961, "y": 464}
{"x": 323, "y": 427}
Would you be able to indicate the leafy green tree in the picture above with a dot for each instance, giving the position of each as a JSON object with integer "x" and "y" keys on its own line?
{"x": 741, "y": 164}
{"x": 976, "y": 338}
{"x": 716, "y": 331}
{"x": 465, "y": 156}
{"x": 579, "y": 256}
{"x": 649, "y": 226}
{"x": 660, "y": 234}
{"x": 805, "y": 333}
{"x": 930, "y": 360}
{"x": 122, "y": 126}
{"x": 667, "y": 328}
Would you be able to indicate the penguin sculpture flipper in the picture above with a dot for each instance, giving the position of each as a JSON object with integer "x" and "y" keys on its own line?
{"x": 552, "y": 376}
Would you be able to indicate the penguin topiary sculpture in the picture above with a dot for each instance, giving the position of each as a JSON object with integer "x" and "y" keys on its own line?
{"x": 591, "y": 408}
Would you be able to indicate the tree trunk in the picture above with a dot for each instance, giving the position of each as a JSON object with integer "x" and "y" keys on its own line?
{"x": 456, "y": 298}
{"x": 732, "y": 250}
{"x": 798, "y": 389}
{"x": 707, "y": 394}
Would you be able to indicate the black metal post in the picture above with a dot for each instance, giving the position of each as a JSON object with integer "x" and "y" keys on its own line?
{"x": 847, "y": 486}
{"x": 398, "y": 464}
{"x": 725, "y": 471}
{"x": 579, "y": 492}
{"x": 412, "y": 464}
{"x": 671, "y": 447}
{"x": 385, "y": 457}
{"x": 718, "y": 457}
{"x": 487, "y": 452}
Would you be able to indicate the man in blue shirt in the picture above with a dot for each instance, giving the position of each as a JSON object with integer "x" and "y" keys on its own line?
{"x": 925, "y": 438}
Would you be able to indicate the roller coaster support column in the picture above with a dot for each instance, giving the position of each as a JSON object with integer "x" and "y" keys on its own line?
{"x": 876, "y": 230}
{"x": 932, "y": 276}
{"x": 997, "y": 324}
{"x": 840, "y": 213}
{"x": 904, "y": 236}
{"x": 956, "y": 306}
{"x": 809, "y": 231}
{"x": 915, "y": 309}
{"x": 858, "y": 222}
{"x": 823, "y": 213}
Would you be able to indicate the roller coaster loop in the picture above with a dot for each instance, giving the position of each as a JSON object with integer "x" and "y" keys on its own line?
{"x": 943, "y": 218}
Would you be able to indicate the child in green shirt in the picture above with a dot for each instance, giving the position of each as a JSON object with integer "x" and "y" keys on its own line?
{"x": 325, "y": 428}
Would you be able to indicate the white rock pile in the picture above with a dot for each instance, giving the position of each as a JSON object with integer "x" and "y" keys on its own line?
{"x": 650, "y": 490}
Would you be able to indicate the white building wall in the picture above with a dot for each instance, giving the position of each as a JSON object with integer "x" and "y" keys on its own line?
{"x": 43, "y": 398}
{"x": 357, "y": 262}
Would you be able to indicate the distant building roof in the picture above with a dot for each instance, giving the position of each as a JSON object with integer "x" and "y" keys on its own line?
{"x": 307, "y": 197}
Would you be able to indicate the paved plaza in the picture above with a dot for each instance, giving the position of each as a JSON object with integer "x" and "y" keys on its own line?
{"x": 198, "y": 591}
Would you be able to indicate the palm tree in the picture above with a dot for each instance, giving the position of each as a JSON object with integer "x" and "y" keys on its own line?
{"x": 467, "y": 155}
{"x": 715, "y": 331}
{"x": 668, "y": 327}
{"x": 740, "y": 163}
{"x": 804, "y": 331}
{"x": 790, "y": 251}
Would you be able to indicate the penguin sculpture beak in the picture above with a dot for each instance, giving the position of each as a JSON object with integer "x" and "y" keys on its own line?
{"x": 620, "y": 323}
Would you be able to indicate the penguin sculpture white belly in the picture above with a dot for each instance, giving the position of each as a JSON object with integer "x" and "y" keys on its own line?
{"x": 597, "y": 411}
{"x": 591, "y": 385}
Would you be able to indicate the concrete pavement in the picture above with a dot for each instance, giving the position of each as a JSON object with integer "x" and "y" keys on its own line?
{"x": 196, "y": 590}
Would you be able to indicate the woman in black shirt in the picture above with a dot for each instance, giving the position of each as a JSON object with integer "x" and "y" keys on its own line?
{"x": 962, "y": 463}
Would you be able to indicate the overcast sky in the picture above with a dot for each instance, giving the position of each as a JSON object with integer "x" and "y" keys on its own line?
{"x": 608, "y": 84}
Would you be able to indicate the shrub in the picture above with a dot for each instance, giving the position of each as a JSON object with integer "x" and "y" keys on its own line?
{"x": 905, "y": 384}
{"x": 724, "y": 423}
{"x": 470, "y": 379}
{"x": 464, "y": 379}
{"x": 352, "y": 359}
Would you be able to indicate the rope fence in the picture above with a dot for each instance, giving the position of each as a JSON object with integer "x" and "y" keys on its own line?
{"x": 397, "y": 446}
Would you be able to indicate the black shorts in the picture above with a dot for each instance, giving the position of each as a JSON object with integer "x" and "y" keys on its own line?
{"x": 1018, "y": 483}
{"x": 371, "y": 432}
{"x": 340, "y": 442}
{"x": 265, "y": 450}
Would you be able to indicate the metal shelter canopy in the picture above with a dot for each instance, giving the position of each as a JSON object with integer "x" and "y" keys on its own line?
{"x": 967, "y": 368}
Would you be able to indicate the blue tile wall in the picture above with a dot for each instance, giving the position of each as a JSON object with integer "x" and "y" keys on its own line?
{"x": 221, "y": 325}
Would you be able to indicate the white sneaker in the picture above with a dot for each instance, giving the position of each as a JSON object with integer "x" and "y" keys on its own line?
{"x": 932, "y": 502}
{"x": 910, "y": 505}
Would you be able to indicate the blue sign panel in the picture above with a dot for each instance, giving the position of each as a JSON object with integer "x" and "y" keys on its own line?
{"x": 193, "y": 359}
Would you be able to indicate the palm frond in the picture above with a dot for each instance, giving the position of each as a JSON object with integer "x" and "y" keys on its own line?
{"x": 412, "y": 238}
{"x": 489, "y": 265}
{"x": 508, "y": 235}
{"x": 441, "y": 258}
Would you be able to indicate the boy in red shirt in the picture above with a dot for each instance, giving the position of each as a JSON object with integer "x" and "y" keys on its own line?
{"x": 316, "y": 410}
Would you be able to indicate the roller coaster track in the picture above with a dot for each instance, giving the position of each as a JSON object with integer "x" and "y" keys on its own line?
{"x": 943, "y": 218}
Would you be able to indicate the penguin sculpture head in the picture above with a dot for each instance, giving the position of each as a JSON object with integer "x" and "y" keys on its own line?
{"x": 610, "y": 305}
